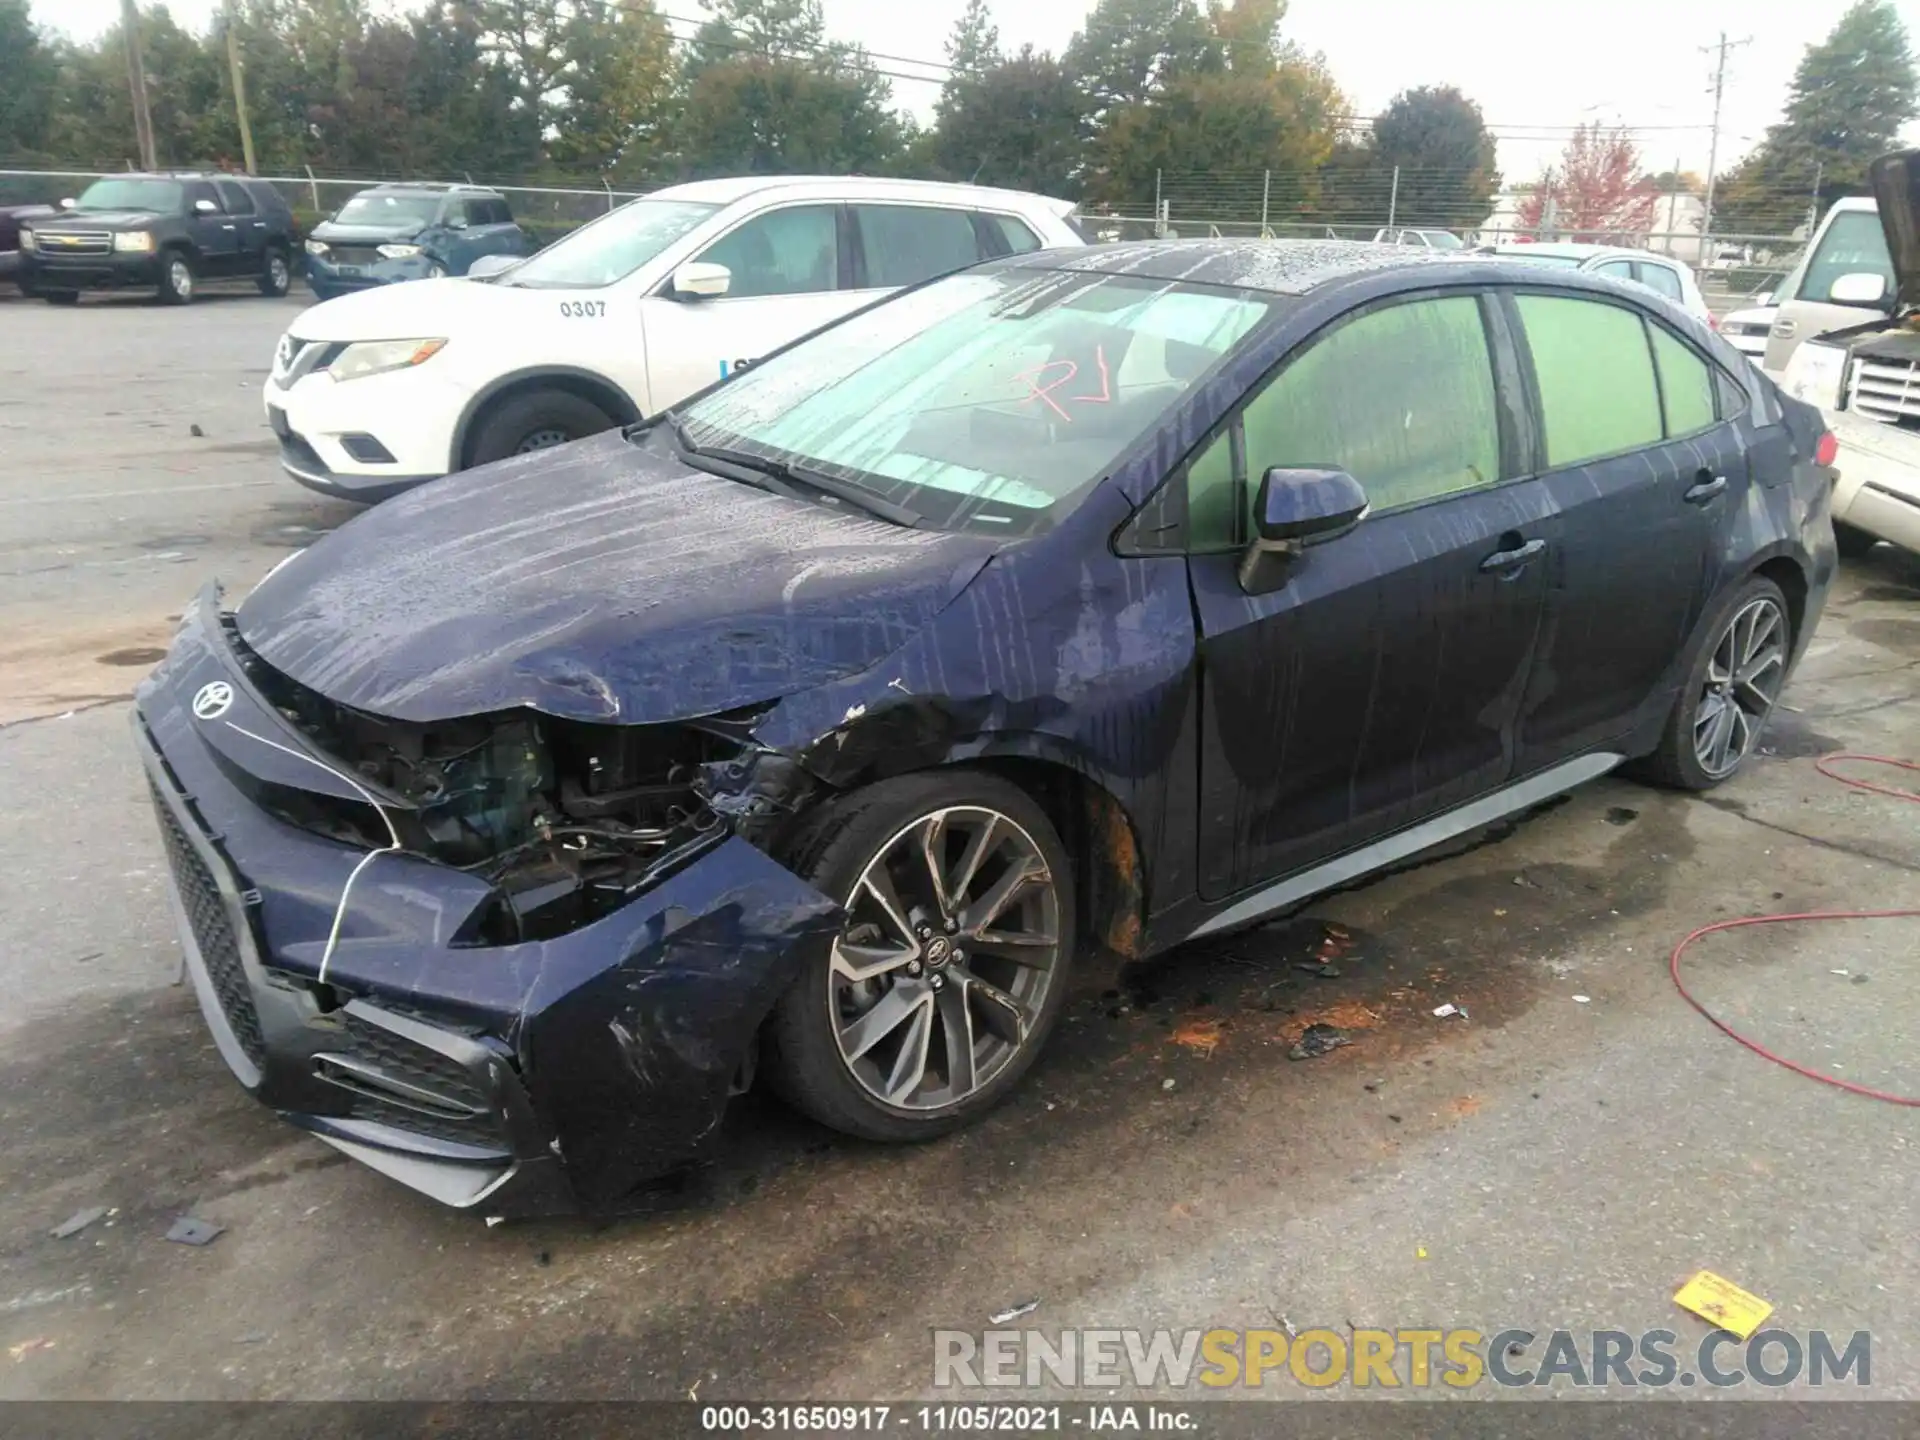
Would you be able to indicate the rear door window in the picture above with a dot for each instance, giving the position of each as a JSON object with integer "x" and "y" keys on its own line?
{"x": 1598, "y": 395}
{"x": 198, "y": 190}
{"x": 905, "y": 244}
{"x": 1014, "y": 237}
{"x": 234, "y": 197}
{"x": 1615, "y": 270}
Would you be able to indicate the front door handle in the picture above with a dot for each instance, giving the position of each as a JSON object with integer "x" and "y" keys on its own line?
{"x": 1705, "y": 486}
{"x": 1513, "y": 559}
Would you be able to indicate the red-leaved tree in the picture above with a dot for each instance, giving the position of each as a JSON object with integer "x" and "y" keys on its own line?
{"x": 1596, "y": 193}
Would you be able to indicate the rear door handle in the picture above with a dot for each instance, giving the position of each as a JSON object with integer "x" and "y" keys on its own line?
{"x": 1704, "y": 488}
{"x": 1513, "y": 559}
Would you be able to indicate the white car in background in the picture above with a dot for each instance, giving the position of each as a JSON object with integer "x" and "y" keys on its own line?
{"x": 378, "y": 391}
{"x": 1747, "y": 330}
{"x": 1662, "y": 274}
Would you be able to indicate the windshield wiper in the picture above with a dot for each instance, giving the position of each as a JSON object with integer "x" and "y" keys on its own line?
{"x": 794, "y": 480}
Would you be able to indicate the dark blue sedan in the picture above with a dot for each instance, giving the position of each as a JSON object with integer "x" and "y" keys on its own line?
{"x": 1104, "y": 598}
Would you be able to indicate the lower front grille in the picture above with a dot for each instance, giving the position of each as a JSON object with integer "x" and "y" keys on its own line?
{"x": 206, "y": 910}
{"x": 426, "y": 1092}
{"x": 1887, "y": 390}
{"x": 355, "y": 255}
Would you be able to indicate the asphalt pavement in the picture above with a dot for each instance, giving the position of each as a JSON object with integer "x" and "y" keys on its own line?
{"x": 1548, "y": 1161}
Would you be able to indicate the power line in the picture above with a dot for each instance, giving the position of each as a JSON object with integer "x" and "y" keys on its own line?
{"x": 1713, "y": 152}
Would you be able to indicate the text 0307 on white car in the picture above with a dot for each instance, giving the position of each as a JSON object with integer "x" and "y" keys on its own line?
{"x": 375, "y": 392}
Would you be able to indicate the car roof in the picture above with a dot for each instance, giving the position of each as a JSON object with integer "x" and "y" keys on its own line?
{"x": 1284, "y": 267}
{"x": 852, "y": 187}
{"x": 423, "y": 187}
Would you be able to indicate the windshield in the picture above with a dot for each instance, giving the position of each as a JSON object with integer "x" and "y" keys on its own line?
{"x": 1532, "y": 258}
{"x": 1854, "y": 244}
{"x": 161, "y": 195}
{"x": 389, "y": 210}
{"x": 611, "y": 248}
{"x": 991, "y": 401}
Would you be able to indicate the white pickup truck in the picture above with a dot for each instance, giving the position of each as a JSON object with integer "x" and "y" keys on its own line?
{"x": 1848, "y": 340}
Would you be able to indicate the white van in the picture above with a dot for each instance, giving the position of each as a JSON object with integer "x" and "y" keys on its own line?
{"x": 375, "y": 392}
{"x": 1849, "y": 243}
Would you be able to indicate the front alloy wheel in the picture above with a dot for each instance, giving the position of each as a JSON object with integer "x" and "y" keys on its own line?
{"x": 949, "y": 953}
{"x": 951, "y": 963}
{"x": 1744, "y": 675}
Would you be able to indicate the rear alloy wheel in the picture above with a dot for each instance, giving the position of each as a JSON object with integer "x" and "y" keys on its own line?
{"x": 276, "y": 276}
{"x": 176, "y": 279}
{"x": 436, "y": 271}
{"x": 537, "y": 420}
{"x": 1731, "y": 689}
{"x": 60, "y": 297}
{"x": 950, "y": 967}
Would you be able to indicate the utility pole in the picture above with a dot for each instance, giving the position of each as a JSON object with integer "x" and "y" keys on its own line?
{"x": 1713, "y": 152}
{"x": 238, "y": 72}
{"x": 137, "y": 84}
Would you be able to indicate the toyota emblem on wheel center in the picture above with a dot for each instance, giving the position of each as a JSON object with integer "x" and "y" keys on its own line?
{"x": 213, "y": 700}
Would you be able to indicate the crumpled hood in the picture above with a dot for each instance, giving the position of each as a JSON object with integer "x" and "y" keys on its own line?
{"x": 334, "y": 233}
{"x": 1896, "y": 189}
{"x": 599, "y": 581}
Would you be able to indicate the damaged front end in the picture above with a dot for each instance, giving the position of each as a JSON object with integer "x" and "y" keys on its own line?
{"x": 504, "y": 958}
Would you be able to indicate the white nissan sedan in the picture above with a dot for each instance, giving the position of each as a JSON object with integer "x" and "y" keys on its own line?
{"x": 378, "y": 391}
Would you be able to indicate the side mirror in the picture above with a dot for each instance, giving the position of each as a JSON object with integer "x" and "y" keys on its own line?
{"x": 1863, "y": 287}
{"x": 205, "y": 207}
{"x": 456, "y": 222}
{"x": 698, "y": 280}
{"x": 491, "y": 265}
{"x": 66, "y": 202}
{"x": 1298, "y": 508}
{"x": 1763, "y": 299}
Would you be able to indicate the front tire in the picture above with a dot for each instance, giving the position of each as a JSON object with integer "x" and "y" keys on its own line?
{"x": 276, "y": 275}
{"x": 176, "y": 279}
{"x": 952, "y": 964}
{"x": 60, "y": 297}
{"x": 1731, "y": 689}
{"x": 537, "y": 420}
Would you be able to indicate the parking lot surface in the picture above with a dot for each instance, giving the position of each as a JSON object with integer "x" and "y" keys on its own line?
{"x": 1547, "y": 1161}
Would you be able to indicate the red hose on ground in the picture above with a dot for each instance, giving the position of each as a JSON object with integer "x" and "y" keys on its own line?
{"x": 1823, "y": 765}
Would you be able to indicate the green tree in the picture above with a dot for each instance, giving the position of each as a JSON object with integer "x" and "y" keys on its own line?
{"x": 1129, "y": 49}
{"x": 974, "y": 46}
{"x": 760, "y": 115}
{"x": 773, "y": 29}
{"x": 1021, "y": 123}
{"x": 1851, "y": 95}
{"x": 1445, "y": 154}
{"x": 620, "y": 83}
{"x": 464, "y": 105}
{"x": 29, "y": 83}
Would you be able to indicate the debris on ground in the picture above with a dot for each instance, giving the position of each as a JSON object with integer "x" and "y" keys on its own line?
{"x": 1723, "y": 1303}
{"x": 1169, "y": 1083}
{"x": 196, "y": 432}
{"x": 1621, "y": 815}
{"x": 1321, "y": 968}
{"x": 1449, "y": 1010}
{"x": 1583, "y": 999}
{"x": 1317, "y": 1040}
{"x": 1200, "y": 1036}
{"x": 78, "y": 1221}
{"x": 1836, "y": 972}
{"x": 1025, "y": 1307}
{"x": 1420, "y": 1252}
{"x": 29, "y": 1347}
{"x": 189, "y": 1231}
{"x": 1860, "y": 979}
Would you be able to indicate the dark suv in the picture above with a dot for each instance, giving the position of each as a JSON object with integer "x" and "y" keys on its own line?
{"x": 165, "y": 231}
{"x": 409, "y": 232}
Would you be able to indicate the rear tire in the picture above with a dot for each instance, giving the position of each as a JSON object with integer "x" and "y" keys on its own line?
{"x": 1730, "y": 690}
{"x": 276, "y": 275}
{"x": 176, "y": 279}
{"x": 1853, "y": 543}
{"x": 60, "y": 297}
{"x": 536, "y": 420}
{"x": 958, "y": 995}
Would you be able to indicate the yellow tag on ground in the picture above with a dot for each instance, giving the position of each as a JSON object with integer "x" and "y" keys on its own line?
{"x": 1724, "y": 1303}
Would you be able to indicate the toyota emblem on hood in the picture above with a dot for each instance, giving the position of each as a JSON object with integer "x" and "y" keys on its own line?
{"x": 213, "y": 700}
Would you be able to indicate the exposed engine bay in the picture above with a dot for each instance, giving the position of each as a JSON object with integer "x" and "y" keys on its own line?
{"x": 567, "y": 819}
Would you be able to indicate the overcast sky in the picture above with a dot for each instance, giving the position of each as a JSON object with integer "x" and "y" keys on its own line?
{"x": 1537, "y": 67}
